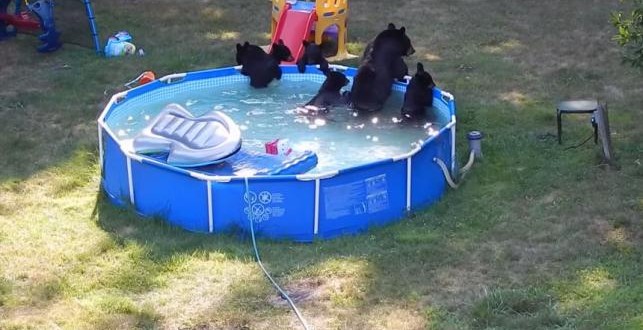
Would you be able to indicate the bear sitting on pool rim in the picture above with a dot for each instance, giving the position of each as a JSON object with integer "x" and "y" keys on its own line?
{"x": 262, "y": 68}
{"x": 312, "y": 55}
{"x": 418, "y": 95}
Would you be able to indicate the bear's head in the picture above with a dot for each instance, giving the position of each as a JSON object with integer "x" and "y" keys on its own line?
{"x": 334, "y": 81}
{"x": 241, "y": 52}
{"x": 311, "y": 50}
{"x": 310, "y": 47}
{"x": 281, "y": 52}
{"x": 423, "y": 78}
{"x": 394, "y": 38}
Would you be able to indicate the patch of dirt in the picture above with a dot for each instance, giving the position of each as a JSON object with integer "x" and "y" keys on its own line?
{"x": 387, "y": 317}
{"x": 516, "y": 98}
{"x": 550, "y": 198}
{"x": 456, "y": 287}
{"x": 614, "y": 91}
{"x": 600, "y": 228}
{"x": 308, "y": 290}
{"x": 606, "y": 234}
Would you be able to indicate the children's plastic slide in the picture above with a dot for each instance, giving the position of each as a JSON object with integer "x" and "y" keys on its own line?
{"x": 295, "y": 23}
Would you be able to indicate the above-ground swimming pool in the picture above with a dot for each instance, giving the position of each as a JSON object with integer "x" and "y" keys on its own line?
{"x": 370, "y": 170}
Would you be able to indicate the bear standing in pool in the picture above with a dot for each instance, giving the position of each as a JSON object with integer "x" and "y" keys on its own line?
{"x": 382, "y": 64}
{"x": 262, "y": 68}
{"x": 418, "y": 95}
{"x": 312, "y": 55}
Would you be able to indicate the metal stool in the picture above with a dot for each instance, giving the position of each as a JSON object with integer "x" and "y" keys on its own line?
{"x": 576, "y": 106}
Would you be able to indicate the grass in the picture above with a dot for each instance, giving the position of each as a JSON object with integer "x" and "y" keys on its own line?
{"x": 537, "y": 236}
{"x": 517, "y": 309}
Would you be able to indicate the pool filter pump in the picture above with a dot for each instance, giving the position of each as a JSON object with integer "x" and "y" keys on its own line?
{"x": 475, "y": 143}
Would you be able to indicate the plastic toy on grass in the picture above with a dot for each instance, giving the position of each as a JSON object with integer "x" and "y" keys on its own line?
{"x": 142, "y": 79}
{"x": 119, "y": 45}
{"x": 322, "y": 21}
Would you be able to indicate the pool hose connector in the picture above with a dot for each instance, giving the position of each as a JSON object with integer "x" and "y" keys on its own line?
{"x": 475, "y": 151}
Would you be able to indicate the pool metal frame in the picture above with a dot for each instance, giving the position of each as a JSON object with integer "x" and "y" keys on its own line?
{"x": 301, "y": 207}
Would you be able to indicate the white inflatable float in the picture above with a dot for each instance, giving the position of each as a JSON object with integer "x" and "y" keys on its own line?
{"x": 189, "y": 141}
{"x": 212, "y": 144}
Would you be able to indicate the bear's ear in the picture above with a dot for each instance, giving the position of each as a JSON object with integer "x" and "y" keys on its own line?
{"x": 420, "y": 67}
{"x": 238, "y": 46}
{"x": 281, "y": 42}
{"x": 246, "y": 44}
{"x": 391, "y": 26}
{"x": 403, "y": 30}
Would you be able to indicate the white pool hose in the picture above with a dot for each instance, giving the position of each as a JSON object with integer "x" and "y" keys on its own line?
{"x": 463, "y": 171}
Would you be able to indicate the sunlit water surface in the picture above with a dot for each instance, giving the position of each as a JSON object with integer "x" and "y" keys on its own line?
{"x": 339, "y": 138}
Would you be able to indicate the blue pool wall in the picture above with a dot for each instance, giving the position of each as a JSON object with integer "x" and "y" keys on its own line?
{"x": 294, "y": 207}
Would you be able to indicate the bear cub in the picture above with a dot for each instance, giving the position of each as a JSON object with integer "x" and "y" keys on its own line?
{"x": 418, "y": 95}
{"x": 262, "y": 68}
{"x": 329, "y": 93}
{"x": 312, "y": 55}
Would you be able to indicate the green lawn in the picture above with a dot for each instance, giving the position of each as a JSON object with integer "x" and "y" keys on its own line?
{"x": 536, "y": 237}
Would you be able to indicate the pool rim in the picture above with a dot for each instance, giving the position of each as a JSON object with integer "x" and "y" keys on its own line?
{"x": 180, "y": 77}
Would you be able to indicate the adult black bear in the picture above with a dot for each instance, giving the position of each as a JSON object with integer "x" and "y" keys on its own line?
{"x": 262, "y": 68}
{"x": 382, "y": 64}
{"x": 312, "y": 55}
{"x": 418, "y": 95}
{"x": 329, "y": 93}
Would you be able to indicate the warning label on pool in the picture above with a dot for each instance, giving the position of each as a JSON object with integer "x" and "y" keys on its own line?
{"x": 263, "y": 206}
{"x": 359, "y": 197}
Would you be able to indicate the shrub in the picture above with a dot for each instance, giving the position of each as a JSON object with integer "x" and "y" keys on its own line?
{"x": 630, "y": 33}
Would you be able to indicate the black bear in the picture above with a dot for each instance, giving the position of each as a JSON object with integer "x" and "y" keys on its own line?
{"x": 262, "y": 68}
{"x": 329, "y": 93}
{"x": 382, "y": 64}
{"x": 312, "y": 55}
{"x": 418, "y": 95}
{"x": 247, "y": 50}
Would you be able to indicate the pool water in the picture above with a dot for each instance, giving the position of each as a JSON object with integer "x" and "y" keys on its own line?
{"x": 339, "y": 138}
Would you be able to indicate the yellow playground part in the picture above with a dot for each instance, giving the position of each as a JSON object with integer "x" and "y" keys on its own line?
{"x": 327, "y": 19}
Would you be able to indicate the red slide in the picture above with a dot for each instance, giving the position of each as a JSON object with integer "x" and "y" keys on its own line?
{"x": 293, "y": 28}
{"x": 20, "y": 21}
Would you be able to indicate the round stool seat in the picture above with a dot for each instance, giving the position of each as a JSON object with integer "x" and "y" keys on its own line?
{"x": 575, "y": 106}
{"x": 582, "y": 106}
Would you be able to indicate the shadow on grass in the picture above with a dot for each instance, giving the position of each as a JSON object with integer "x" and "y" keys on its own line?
{"x": 387, "y": 266}
{"x": 163, "y": 241}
